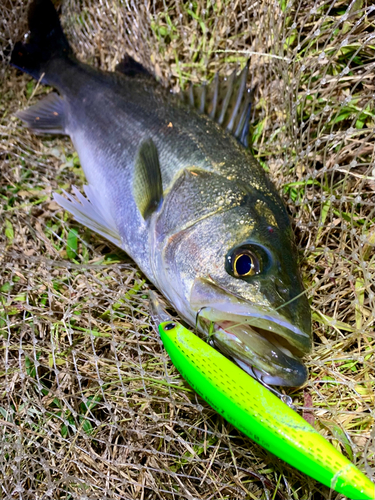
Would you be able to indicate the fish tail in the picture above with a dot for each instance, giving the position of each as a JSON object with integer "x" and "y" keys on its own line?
{"x": 45, "y": 43}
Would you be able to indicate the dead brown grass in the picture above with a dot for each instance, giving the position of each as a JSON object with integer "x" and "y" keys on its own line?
{"x": 90, "y": 405}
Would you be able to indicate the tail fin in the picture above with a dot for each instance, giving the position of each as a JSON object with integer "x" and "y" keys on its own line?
{"x": 46, "y": 41}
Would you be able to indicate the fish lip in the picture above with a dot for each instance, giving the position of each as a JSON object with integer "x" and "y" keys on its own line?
{"x": 267, "y": 321}
{"x": 255, "y": 336}
{"x": 287, "y": 369}
{"x": 267, "y": 379}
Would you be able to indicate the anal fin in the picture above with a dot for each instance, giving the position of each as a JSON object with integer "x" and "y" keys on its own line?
{"x": 90, "y": 212}
{"x": 47, "y": 116}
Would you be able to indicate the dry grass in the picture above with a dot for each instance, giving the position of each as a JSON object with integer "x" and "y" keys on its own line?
{"x": 90, "y": 405}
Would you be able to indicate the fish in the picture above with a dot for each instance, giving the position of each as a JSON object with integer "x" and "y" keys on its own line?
{"x": 171, "y": 181}
{"x": 261, "y": 415}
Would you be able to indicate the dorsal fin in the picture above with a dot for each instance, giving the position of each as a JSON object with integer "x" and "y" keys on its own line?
{"x": 130, "y": 67}
{"x": 227, "y": 101}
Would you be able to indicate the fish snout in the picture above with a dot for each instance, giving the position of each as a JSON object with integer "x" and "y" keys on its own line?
{"x": 291, "y": 302}
{"x": 268, "y": 343}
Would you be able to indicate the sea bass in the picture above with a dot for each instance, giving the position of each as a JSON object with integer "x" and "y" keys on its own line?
{"x": 172, "y": 183}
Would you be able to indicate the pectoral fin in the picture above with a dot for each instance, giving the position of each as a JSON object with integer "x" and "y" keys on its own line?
{"x": 147, "y": 184}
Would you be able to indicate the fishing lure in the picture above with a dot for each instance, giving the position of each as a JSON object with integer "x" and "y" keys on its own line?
{"x": 259, "y": 414}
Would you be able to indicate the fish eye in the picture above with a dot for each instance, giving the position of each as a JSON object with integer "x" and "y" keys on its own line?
{"x": 242, "y": 263}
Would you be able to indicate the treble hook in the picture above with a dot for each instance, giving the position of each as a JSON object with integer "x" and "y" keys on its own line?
{"x": 284, "y": 397}
{"x": 211, "y": 328}
{"x": 197, "y": 316}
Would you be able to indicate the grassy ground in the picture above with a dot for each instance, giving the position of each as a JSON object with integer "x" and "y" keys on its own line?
{"x": 90, "y": 405}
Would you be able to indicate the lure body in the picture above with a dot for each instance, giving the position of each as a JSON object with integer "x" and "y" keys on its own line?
{"x": 259, "y": 414}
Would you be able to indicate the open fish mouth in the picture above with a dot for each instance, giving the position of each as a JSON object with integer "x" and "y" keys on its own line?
{"x": 264, "y": 345}
{"x": 258, "y": 338}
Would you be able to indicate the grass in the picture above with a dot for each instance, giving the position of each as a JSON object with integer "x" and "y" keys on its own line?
{"x": 90, "y": 404}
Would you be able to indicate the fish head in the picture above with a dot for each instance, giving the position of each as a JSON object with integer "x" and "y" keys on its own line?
{"x": 233, "y": 273}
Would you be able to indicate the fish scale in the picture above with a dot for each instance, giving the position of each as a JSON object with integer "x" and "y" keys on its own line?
{"x": 259, "y": 414}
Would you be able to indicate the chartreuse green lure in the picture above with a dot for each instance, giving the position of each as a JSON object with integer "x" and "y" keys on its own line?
{"x": 259, "y": 414}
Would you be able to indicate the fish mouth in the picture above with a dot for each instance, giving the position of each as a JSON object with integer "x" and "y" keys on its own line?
{"x": 259, "y": 339}
{"x": 264, "y": 348}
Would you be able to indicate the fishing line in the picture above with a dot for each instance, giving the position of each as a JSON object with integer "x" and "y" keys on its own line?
{"x": 312, "y": 287}
{"x": 252, "y": 53}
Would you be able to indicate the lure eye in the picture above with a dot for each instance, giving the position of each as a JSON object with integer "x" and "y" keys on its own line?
{"x": 242, "y": 263}
{"x": 169, "y": 326}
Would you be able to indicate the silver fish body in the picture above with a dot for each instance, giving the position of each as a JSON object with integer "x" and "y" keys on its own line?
{"x": 184, "y": 199}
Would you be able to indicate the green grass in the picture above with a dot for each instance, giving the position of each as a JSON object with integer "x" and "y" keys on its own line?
{"x": 89, "y": 402}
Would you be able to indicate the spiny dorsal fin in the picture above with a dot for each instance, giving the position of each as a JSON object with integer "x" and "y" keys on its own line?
{"x": 227, "y": 101}
{"x": 130, "y": 67}
{"x": 45, "y": 117}
{"x": 147, "y": 184}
